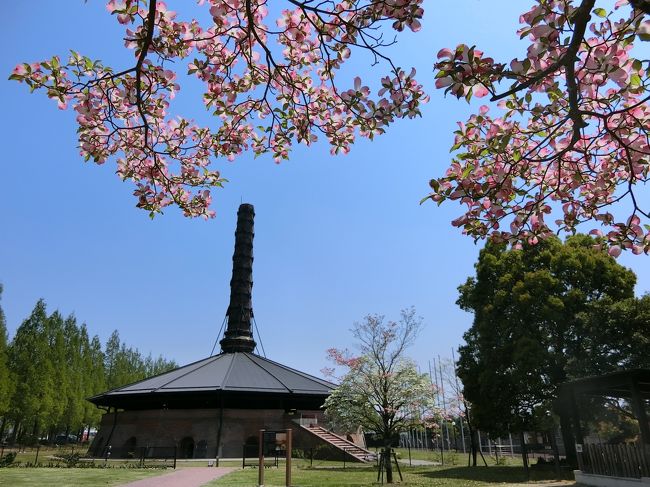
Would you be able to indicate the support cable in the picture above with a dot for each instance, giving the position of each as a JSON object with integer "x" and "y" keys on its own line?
{"x": 219, "y": 334}
{"x": 259, "y": 337}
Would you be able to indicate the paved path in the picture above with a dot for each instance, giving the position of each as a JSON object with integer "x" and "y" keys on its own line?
{"x": 183, "y": 477}
{"x": 418, "y": 463}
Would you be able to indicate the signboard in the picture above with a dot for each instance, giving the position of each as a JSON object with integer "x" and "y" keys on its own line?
{"x": 275, "y": 442}
{"x": 578, "y": 448}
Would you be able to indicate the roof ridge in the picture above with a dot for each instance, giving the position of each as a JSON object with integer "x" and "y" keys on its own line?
{"x": 227, "y": 374}
{"x": 151, "y": 377}
{"x": 267, "y": 371}
{"x": 207, "y": 362}
{"x": 299, "y": 372}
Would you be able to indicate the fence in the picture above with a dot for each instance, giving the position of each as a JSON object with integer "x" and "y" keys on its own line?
{"x": 625, "y": 460}
{"x": 251, "y": 456}
{"x": 144, "y": 455}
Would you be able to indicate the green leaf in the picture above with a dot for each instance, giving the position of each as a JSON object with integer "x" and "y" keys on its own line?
{"x": 601, "y": 12}
{"x": 468, "y": 170}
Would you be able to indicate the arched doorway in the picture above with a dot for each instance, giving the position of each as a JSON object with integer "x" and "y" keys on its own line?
{"x": 201, "y": 450}
{"x": 128, "y": 449}
{"x": 186, "y": 448}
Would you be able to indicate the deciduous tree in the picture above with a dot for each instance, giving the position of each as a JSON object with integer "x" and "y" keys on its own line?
{"x": 269, "y": 85}
{"x": 567, "y": 141}
{"x": 6, "y": 380}
{"x": 382, "y": 390}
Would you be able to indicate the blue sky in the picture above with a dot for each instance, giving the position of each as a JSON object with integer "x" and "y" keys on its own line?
{"x": 336, "y": 237}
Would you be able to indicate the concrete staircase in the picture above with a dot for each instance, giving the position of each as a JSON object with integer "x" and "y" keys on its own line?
{"x": 354, "y": 451}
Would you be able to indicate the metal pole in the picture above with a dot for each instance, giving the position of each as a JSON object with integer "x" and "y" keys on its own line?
{"x": 288, "y": 459}
{"x": 435, "y": 373}
{"x": 444, "y": 400}
{"x": 409, "y": 447}
{"x": 260, "y": 466}
{"x": 462, "y": 430}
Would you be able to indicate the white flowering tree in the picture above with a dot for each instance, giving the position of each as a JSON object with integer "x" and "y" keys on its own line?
{"x": 381, "y": 390}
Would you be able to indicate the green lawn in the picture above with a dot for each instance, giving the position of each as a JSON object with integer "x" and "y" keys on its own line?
{"x": 72, "y": 477}
{"x": 366, "y": 476}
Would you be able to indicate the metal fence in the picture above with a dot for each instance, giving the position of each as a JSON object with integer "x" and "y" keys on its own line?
{"x": 144, "y": 455}
{"x": 624, "y": 460}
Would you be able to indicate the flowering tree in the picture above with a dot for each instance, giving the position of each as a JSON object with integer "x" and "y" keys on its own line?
{"x": 268, "y": 85}
{"x": 568, "y": 140}
{"x": 381, "y": 391}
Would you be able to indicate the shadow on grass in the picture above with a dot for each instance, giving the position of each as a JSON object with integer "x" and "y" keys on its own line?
{"x": 494, "y": 474}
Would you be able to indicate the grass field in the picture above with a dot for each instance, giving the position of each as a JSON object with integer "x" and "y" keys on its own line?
{"x": 366, "y": 476}
{"x": 454, "y": 473}
{"x": 72, "y": 477}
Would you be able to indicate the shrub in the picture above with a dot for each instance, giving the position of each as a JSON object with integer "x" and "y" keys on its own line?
{"x": 7, "y": 459}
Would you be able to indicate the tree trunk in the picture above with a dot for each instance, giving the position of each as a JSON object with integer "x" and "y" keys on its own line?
{"x": 524, "y": 454}
{"x": 388, "y": 462}
{"x": 473, "y": 448}
{"x": 14, "y": 433}
{"x": 35, "y": 431}
{"x": 2, "y": 428}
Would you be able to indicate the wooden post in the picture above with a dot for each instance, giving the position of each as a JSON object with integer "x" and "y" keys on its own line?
{"x": 288, "y": 460}
{"x": 639, "y": 411}
{"x": 260, "y": 466}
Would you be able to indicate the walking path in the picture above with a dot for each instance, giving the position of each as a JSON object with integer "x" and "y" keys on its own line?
{"x": 418, "y": 463}
{"x": 183, "y": 477}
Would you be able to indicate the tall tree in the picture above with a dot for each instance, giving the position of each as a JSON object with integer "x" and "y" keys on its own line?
{"x": 568, "y": 139}
{"x": 6, "y": 380}
{"x": 29, "y": 359}
{"x": 124, "y": 364}
{"x": 95, "y": 380}
{"x": 72, "y": 414}
{"x": 530, "y": 331}
{"x": 61, "y": 381}
{"x": 382, "y": 391}
{"x": 268, "y": 86}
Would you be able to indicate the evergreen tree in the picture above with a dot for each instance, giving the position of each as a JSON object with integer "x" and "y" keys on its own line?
{"x": 535, "y": 314}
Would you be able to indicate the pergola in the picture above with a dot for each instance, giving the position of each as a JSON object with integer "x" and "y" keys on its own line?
{"x": 632, "y": 385}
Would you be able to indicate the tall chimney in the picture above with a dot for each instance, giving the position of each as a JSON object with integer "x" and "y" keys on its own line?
{"x": 238, "y": 336}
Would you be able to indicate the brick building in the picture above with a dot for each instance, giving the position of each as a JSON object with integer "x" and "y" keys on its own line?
{"x": 212, "y": 407}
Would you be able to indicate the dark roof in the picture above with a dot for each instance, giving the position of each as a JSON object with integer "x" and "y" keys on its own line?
{"x": 236, "y": 372}
{"x": 613, "y": 384}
